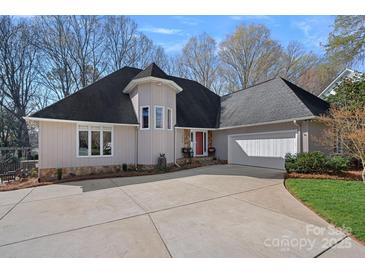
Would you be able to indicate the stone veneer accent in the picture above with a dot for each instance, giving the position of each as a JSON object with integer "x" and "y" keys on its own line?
{"x": 50, "y": 174}
{"x": 210, "y": 138}
{"x": 186, "y": 137}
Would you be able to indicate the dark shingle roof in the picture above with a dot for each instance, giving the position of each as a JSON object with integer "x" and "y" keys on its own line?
{"x": 105, "y": 102}
{"x": 273, "y": 100}
{"x": 102, "y": 101}
{"x": 152, "y": 70}
{"x": 196, "y": 106}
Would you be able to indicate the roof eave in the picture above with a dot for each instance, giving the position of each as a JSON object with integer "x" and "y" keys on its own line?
{"x": 40, "y": 119}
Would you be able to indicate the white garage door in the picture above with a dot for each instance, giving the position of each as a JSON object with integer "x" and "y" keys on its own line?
{"x": 261, "y": 149}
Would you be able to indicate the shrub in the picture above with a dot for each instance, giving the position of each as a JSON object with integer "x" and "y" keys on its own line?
{"x": 338, "y": 163}
{"x": 34, "y": 172}
{"x": 315, "y": 162}
{"x": 59, "y": 173}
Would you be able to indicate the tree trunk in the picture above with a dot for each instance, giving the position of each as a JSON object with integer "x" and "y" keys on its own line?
{"x": 23, "y": 135}
{"x": 363, "y": 174}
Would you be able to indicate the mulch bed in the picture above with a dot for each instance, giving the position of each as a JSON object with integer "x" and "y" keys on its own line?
{"x": 34, "y": 182}
{"x": 348, "y": 175}
{"x": 24, "y": 183}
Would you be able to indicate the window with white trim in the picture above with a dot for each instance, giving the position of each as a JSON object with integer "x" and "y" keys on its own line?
{"x": 94, "y": 141}
{"x": 145, "y": 117}
{"x": 169, "y": 118}
{"x": 159, "y": 117}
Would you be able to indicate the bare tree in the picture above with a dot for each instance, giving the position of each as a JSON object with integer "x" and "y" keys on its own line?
{"x": 249, "y": 56}
{"x": 199, "y": 60}
{"x": 58, "y": 69}
{"x": 349, "y": 126}
{"x": 121, "y": 40}
{"x": 86, "y": 48}
{"x": 18, "y": 59}
{"x": 296, "y": 61}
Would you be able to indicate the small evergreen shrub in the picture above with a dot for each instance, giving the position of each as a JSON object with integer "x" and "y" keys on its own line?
{"x": 338, "y": 163}
{"x": 59, "y": 173}
{"x": 315, "y": 162}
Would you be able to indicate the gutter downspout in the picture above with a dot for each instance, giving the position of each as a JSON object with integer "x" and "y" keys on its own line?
{"x": 136, "y": 161}
{"x": 299, "y": 135}
{"x": 176, "y": 164}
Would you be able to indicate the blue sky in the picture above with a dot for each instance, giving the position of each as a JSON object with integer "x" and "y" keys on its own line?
{"x": 172, "y": 32}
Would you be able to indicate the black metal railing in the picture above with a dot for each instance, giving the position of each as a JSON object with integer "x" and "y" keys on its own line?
{"x": 9, "y": 170}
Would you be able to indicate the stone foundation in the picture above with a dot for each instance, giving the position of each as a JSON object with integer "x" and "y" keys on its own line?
{"x": 50, "y": 174}
{"x": 203, "y": 160}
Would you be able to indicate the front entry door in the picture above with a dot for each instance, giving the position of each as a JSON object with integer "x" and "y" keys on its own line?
{"x": 199, "y": 143}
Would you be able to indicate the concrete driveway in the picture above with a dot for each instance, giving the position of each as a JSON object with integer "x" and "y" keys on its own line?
{"x": 215, "y": 211}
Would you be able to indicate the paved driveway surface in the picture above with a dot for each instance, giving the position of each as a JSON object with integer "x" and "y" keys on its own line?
{"x": 215, "y": 211}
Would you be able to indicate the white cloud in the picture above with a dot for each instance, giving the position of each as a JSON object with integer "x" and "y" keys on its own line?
{"x": 167, "y": 31}
{"x": 188, "y": 20}
{"x": 315, "y": 30}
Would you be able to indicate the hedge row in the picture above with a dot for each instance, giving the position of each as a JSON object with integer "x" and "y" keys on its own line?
{"x": 315, "y": 162}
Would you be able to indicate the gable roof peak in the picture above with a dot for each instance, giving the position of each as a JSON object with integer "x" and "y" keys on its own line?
{"x": 152, "y": 70}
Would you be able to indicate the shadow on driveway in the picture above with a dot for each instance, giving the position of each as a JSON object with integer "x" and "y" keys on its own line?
{"x": 222, "y": 170}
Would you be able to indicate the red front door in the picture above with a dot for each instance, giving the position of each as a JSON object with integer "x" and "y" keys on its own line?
{"x": 199, "y": 143}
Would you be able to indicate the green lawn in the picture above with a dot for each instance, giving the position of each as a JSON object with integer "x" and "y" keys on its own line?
{"x": 342, "y": 203}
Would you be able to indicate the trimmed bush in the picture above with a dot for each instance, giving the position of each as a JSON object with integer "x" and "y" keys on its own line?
{"x": 315, "y": 162}
{"x": 338, "y": 163}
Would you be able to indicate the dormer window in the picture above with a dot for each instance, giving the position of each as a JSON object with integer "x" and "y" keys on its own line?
{"x": 159, "y": 117}
{"x": 145, "y": 117}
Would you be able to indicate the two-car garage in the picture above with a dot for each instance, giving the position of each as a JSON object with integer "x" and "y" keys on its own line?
{"x": 263, "y": 149}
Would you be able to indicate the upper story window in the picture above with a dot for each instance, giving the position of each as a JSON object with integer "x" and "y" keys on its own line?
{"x": 145, "y": 117}
{"x": 94, "y": 141}
{"x": 169, "y": 118}
{"x": 159, "y": 117}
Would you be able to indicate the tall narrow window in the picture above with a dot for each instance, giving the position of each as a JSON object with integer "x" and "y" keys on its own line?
{"x": 107, "y": 142}
{"x": 95, "y": 142}
{"x": 169, "y": 118}
{"x": 83, "y": 141}
{"x": 159, "y": 117}
{"x": 145, "y": 114}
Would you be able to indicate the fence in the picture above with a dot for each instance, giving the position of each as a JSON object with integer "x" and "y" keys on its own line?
{"x": 15, "y": 152}
{"x": 12, "y": 167}
{"x": 8, "y": 170}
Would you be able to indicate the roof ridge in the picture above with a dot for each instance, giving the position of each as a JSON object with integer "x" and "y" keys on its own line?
{"x": 254, "y": 85}
{"x": 303, "y": 91}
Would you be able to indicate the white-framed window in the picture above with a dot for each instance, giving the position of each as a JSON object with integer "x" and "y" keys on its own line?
{"x": 145, "y": 117}
{"x": 159, "y": 117}
{"x": 94, "y": 141}
{"x": 169, "y": 118}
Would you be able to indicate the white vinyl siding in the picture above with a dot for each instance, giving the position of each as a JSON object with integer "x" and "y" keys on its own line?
{"x": 59, "y": 143}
